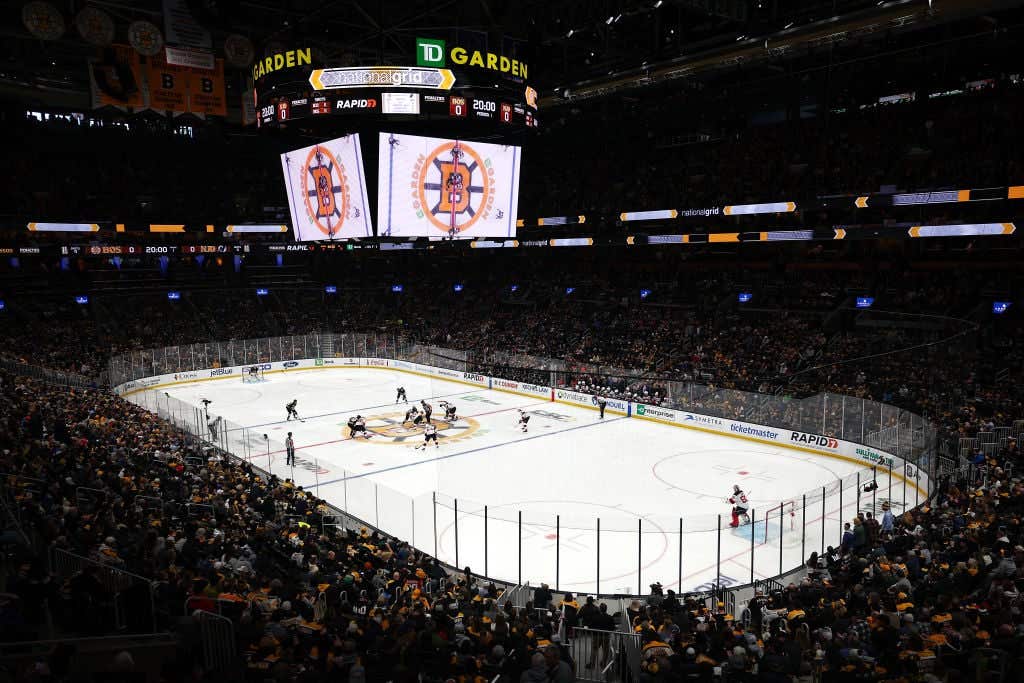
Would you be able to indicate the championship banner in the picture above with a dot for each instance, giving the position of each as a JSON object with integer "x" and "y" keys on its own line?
{"x": 327, "y": 190}
{"x": 435, "y": 187}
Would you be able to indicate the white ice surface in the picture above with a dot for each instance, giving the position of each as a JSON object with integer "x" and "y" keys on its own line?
{"x": 571, "y": 469}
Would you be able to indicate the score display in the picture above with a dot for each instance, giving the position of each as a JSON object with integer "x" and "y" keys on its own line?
{"x": 282, "y": 109}
{"x": 149, "y": 249}
{"x": 457, "y": 106}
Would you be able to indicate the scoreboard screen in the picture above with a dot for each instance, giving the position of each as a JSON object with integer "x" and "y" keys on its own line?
{"x": 326, "y": 189}
{"x": 396, "y": 105}
{"x": 393, "y": 93}
{"x": 459, "y": 188}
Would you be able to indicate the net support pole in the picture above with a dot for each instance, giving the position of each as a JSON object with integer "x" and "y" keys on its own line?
{"x": 858, "y": 498}
{"x": 680, "y": 554}
{"x": 639, "y": 555}
{"x": 718, "y": 555}
{"x": 803, "y": 527}
{"x": 558, "y": 548}
{"x": 753, "y": 533}
{"x": 823, "y": 519}
{"x": 520, "y": 552}
{"x": 890, "y": 483}
{"x": 904, "y": 478}
{"x": 874, "y": 486}
{"x": 782, "y": 531}
{"x": 841, "y": 504}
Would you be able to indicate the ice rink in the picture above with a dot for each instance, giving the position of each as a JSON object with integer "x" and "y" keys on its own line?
{"x": 656, "y": 490}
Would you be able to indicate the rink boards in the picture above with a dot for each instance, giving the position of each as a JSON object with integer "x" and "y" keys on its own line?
{"x": 795, "y": 440}
{"x": 529, "y": 504}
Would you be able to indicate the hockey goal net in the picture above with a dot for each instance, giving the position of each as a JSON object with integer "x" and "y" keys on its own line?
{"x": 778, "y": 523}
{"x": 253, "y": 373}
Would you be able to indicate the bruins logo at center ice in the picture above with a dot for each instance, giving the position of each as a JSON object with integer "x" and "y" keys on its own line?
{"x": 388, "y": 429}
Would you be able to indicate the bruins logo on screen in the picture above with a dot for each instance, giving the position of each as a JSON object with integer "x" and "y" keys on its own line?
{"x": 389, "y": 429}
{"x": 454, "y": 185}
{"x": 324, "y": 190}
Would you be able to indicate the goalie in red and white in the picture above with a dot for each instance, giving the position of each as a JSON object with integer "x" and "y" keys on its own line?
{"x": 740, "y": 505}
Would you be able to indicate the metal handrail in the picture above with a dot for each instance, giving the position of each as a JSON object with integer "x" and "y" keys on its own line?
{"x": 217, "y": 635}
{"x": 114, "y": 579}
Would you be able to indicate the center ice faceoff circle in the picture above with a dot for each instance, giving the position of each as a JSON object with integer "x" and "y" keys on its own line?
{"x": 389, "y": 429}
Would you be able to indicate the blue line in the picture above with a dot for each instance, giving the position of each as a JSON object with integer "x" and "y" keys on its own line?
{"x": 473, "y": 450}
{"x": 352, "y": 410}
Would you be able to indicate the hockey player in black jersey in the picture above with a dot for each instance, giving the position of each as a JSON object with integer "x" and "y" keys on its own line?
{"x": 357, "y": 426}
{"x": 449, "y": 411}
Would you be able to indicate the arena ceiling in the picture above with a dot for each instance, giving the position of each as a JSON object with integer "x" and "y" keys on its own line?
{"x": 572, "y": 45}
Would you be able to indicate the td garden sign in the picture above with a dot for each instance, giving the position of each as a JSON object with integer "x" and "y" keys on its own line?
{"x": 433, "y": 53}
{"x": 288, "y": 59}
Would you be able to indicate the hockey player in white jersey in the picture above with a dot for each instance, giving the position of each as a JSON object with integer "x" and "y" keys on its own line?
{"x": 429, "y": 434}
{"x": 740, "y": 505}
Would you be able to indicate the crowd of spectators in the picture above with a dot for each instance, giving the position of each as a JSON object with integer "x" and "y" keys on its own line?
{"x": 931, "y": 592}
{"x": 310, "y": 600}
{"x": 689, "y": 345}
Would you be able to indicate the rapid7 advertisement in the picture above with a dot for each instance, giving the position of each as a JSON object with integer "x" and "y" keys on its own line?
{"x": 434, "y": 187}
{"x": 326, "y": 190}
